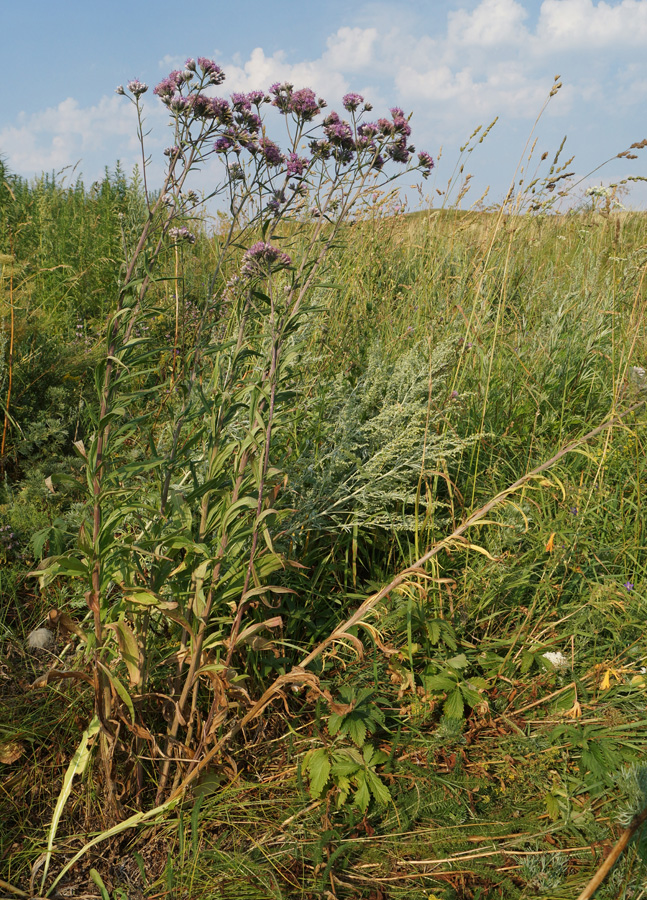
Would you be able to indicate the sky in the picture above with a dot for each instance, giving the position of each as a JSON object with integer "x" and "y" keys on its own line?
{"x": 454, "y": 64}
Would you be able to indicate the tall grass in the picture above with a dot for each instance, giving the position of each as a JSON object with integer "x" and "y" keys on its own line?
{"x": 446, "y": 356}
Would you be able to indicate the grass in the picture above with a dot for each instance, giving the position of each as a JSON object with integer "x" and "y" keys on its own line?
{"x": 518, "y": 786}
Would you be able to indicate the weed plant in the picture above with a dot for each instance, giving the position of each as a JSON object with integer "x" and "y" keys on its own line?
{"x": 479, "y": 732}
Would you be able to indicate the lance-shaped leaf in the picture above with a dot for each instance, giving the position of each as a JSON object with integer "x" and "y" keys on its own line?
{"x": 251, "y": 630}
{"x": 77, "y": 766}
{"x": 128, "y": 648}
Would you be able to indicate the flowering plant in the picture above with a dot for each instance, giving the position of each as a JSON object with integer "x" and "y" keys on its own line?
{"x": 182, "y": 507}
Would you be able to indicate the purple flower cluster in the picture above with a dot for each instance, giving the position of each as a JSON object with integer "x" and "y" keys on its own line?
{"x": 425, "y": 162}
{"x": 244, "y": 102}
{"x": 296, "y": 165}
{"x": 271, "y": 152}
{"x": 8, "y": 538}
{"x": 210, "y": 70}
{"x": 302, "y": 103}
{"x": 137, "y": 87}
{"x": 353, "y": 101}
{"x": 181, "y": 234}
{"x": 260, "y": 257}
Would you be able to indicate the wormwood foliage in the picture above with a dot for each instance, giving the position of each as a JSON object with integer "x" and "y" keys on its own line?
{"x": 378, "y": 441}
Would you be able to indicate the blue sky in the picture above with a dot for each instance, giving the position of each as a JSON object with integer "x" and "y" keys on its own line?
{"x": 455, "y": 64}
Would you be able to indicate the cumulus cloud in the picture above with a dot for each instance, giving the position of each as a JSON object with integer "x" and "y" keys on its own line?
{"x": 582, "y": 24}
{"x": 491, "y": 24}
{"x": 482, "y": 59}
{"x": 61, "y": 136}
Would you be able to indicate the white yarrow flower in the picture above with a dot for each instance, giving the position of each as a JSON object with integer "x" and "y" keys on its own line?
{"x": 558, "y": 660}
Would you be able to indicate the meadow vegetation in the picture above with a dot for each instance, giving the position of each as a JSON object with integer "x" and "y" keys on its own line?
{"x": 335, "y": 513}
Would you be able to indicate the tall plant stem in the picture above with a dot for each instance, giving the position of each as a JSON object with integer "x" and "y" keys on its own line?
{"x": 10, "y": 360}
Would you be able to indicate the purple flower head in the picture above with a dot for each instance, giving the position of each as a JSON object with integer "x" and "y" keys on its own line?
{"x": 223, "y": 144}
{"x": 296, "y": 164}
{"x": 137, "y": 87}
{"x": 320, "y": 149}
{"x": 221, "y": 110}
{"x": 253, "y": 122}
{"x": 282, "y": 93}
{"x": 274, "y": 206}
{"x": 304, "y": 105}
{"x": 629, "y": 585}
{"x": 172, "y": 151}
{"x": 120, "y": 90}
{"x": 257, "y": 97}
{"x": 181, "y": 234}
{"x": 241, "y": 101}
{"x": 202, "y": 106}
{"x": 168, "y": 86}
{"x": 378, "y": 163}
{"x": 425, "y": 162}
{"x": 260, "y": 258}
{"x": 190, "y": 64}
{"x": 454, "y": 395}
{"x": 211, "y": 70}
{"x": 400, "y": 123}
{"x": 385, "y": 126}
{"x": 368, "y": 129}
{"x": 338, "y": 132}
{"x": 271, "y": 152}
{"x": 398, "y": 151}
{"x": 179, "y": 104}
{"x": 352, "y": 101}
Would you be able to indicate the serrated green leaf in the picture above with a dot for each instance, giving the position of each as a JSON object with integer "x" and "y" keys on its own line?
{"x": 319, "y": 771}
{"x": 377, "y": 787}
{"x": 439, "y": 683}
{"x": 355, "y": 728}
{"x": 334, "y": 723}
{"x": 458, "y": 662}
{"x": 454, "y": 706}
{"x": 362, "y": 795}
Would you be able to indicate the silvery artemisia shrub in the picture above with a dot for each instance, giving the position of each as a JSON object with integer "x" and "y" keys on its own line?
{"x": 374, "y": 440}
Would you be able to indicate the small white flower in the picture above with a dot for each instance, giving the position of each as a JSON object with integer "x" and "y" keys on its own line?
{"x": 40, "y": 639}
{"x": 558, "y": 660}
{"x": 637, "y": 374}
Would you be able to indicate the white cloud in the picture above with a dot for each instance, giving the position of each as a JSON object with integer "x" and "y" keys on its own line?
{"x": 488, "y": 58}
{"x": 565, "y": 24}
{"x": 351, "y": 49}
{"x": 61, "y": 136}
{"x": 493, "y": 23}
{"x": 457, "y": 95}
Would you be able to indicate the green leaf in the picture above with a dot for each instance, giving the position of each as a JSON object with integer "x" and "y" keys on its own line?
{"x": 552, "y": 807}
{"x": 378, "y": 788}
{"x": 355, "y": 727}
{"x": 77, "y": 766}
{"x": 318, "y": 766}
{"x": 334, "y": 723}
{"x": 98, "y": 880}
{"x": 439, "y": 683}
{"x": 120, "y": 690}
{"x": 362, "y": 795}
{"x": 454, "y": 706}
{"x": 470, "y": 696}
{"x": 458, "y": 662}
{"x": 128, "y": 648}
